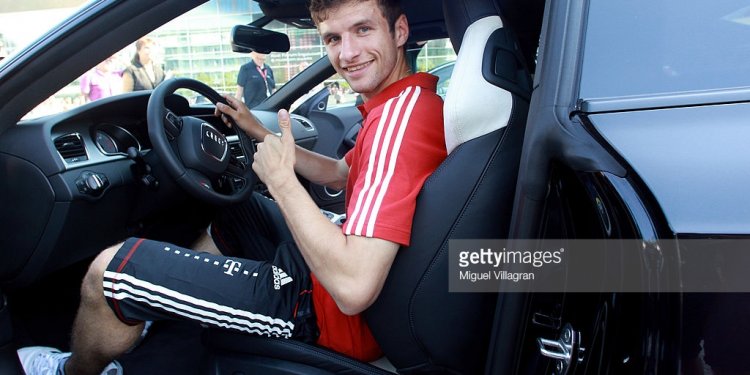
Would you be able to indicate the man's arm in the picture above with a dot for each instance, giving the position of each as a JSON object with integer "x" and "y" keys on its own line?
{"x": 240, "y": 91}
{"x": 128, "y": 82}
{"x": 272, "y": 85}
{"x": 351, "y": 268}
{"x": 316, "y": 168}
{"x": 321, "y": 169}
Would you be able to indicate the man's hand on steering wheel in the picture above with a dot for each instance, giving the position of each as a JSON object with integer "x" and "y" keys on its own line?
{"x": 197, "y": 154}
{"x": 238, "y": 111}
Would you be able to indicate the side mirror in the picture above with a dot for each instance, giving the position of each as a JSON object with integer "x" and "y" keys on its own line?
{"x": 247, "y": 38}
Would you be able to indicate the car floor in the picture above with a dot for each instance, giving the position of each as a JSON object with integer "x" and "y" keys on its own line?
{"x": 43, "y": 315}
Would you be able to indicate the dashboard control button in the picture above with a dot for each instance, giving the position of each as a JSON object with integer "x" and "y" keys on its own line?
{"x": 92, "y": 183}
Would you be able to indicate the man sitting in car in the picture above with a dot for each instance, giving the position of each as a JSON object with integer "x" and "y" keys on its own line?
{"x": 284, "y": 272}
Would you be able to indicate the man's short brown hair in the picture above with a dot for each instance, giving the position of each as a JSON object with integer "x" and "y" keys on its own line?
{"x": 391, "y": 9}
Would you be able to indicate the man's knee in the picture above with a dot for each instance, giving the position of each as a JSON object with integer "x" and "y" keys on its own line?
{"x": 92, "y": 282}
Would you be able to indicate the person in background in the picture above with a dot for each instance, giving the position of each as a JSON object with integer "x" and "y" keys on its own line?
{"x": 335, "y": 90}
{"x": 143, "y": 73}
{"x": 255, "y": 81}
{"x": 101, "y": 81}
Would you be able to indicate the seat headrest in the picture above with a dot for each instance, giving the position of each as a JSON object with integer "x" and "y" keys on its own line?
{"x": 459, "y": 14}
{"x": 473, "y": 106}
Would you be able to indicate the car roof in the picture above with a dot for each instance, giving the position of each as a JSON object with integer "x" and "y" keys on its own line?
{"x": 425, "y": 16}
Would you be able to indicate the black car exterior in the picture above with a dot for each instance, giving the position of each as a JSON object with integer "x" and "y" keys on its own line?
{"x": 634, "y": 133}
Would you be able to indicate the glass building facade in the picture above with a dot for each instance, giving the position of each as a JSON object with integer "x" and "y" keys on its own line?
{"x": 197, "y": 45}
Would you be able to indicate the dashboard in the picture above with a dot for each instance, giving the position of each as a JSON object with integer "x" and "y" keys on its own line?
{"x": 82, "y": 180}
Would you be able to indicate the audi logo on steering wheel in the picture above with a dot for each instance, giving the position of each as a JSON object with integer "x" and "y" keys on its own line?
{"x": 213, "y": 142}
{"x": 215, "y": 137}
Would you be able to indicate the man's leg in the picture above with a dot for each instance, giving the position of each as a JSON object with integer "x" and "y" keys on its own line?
{"x": 206, "y": 243}
{"x": 98, "y": 335}
{"x": 150, "y": 280}
{"x": 252, "y": 230}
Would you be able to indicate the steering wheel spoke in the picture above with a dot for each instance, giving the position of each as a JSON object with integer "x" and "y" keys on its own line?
{"x": 237, "y": 167}
{"x": 172, "y": 125}
{"x": 232, "y": 183}
{"x": 195, "y": 152}
{"x": 200, "y": 180}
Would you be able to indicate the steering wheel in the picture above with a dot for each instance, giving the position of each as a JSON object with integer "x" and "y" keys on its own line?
{"x": 194, "y": 152}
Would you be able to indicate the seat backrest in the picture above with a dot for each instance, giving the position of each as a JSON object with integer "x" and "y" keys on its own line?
{"x": 421, "y": 327}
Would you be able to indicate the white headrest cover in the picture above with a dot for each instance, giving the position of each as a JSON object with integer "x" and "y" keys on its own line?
{"x": 474, "y": 107}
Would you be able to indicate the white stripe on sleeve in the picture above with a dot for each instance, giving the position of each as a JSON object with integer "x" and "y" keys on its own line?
{"x": 383, "y": 146}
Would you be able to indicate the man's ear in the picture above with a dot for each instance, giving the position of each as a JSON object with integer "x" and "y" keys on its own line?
{"x": 401, "y": 30}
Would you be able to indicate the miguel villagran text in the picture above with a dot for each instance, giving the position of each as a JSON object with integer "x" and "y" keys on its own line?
{"x": 495, "y": 259}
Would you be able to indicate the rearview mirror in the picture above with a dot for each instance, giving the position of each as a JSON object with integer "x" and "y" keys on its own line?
{"x": 247, "y": 38}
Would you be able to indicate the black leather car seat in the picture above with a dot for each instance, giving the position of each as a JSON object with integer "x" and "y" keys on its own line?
{"x": 421, "y": 327}
{"x": 418, "y": 323}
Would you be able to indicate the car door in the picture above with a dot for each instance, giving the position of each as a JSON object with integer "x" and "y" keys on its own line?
{"x": 573, "y": 188}
{"x": 637, "y": 149}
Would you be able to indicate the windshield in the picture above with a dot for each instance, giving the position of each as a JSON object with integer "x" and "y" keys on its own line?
{"x": 194, "y": 45}
{"x": 646, "y": 47}
{"x": 23, "y": 22}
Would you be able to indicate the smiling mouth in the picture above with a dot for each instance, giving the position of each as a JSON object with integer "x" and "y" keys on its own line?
{"x": 351, "y": 69}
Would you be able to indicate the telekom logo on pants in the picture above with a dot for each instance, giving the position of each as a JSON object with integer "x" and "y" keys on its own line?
{"x": 232, "y": 265}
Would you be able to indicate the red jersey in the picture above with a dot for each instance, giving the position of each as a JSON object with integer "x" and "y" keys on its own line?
{"x": 401, "y": 143}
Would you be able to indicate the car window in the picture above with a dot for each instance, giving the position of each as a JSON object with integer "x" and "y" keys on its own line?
{"x": 435, "y": 53}
{"x": 341, "y": 94}
{"x": 443, "y": 72}
{"x": 651, "y": 47}
{"x": 187, "y": 47}
{"x": 437, "y": 57}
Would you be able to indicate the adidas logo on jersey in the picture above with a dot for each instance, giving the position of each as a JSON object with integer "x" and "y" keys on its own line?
{"x": 280, "y": 278}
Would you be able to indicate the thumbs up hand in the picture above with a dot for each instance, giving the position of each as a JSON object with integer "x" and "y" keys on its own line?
{"x": 275, "y": 157}
{"x": 285, "y": 124}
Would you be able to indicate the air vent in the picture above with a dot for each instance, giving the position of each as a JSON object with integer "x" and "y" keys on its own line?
{"x": 236, "y": 150}
{"x": 305, "y": 124}
{"x": 71, "y": 148}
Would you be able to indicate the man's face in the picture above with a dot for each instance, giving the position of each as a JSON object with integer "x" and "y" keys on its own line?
{"x": 361, "y": 47}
